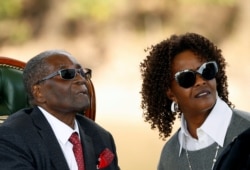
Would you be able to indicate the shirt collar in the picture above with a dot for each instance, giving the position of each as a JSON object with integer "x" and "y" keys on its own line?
{"x": 219, "y": 118}
{"x": 61, "y": 130}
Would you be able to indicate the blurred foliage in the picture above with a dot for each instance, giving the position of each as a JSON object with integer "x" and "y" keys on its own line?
{"x": 99, "y": 10}
{"x": 22, "y": 20}
{"x": 10, "y": 9}
{"x": 10, "y": 27}
{"x": 19, "y": 20}
{"x": 86, "y": 16}
{"x": 214, "y": 2}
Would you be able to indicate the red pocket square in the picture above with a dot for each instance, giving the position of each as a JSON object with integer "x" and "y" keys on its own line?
{"x": 105, "y": 158}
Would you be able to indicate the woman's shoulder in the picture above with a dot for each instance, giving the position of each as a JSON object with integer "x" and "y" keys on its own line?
{"x": 173, "y": 142}
{"x": 241, "y": 113}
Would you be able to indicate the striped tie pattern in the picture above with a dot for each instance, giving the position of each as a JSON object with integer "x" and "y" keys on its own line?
{"x": 77, "y": 149}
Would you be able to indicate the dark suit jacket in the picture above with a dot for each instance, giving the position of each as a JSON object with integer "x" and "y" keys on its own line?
{"x": 27, "y": 142}
{"x": 236, "y": 155}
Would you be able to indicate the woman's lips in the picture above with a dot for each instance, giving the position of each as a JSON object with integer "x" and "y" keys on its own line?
{"x": 202, "y": 93}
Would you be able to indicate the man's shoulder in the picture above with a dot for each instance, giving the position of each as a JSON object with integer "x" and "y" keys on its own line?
{"x": 21, "y": 116}
{"x": 89, "y": 125}
{"x": 17, "y": 124}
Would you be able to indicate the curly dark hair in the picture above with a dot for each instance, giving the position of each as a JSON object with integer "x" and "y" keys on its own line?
{"x": 156, "y": 75}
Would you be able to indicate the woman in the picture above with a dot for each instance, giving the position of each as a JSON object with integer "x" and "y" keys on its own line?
{"x": 184, "y": 76}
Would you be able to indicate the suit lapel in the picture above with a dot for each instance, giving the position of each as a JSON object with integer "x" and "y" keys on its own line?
{"x": 53, "y": 148}
{"x": 88, "y": 150}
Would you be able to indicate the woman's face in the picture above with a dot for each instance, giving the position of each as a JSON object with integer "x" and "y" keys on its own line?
{"x": 197, "y": 99}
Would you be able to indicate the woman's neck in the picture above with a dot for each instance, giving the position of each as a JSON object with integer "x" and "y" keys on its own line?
{"x": 194, "y": 122}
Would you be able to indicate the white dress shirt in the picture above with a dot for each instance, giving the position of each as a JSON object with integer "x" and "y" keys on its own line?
{"x": 212, "y": 130}
{"x": 63, "y": 133}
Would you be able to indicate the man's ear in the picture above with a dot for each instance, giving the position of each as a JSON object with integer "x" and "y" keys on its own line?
{"x": 37, "y": 93}
{"x": 170, "y": 95}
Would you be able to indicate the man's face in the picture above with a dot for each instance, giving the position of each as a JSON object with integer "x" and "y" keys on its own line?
{"x": 61, "y": 95}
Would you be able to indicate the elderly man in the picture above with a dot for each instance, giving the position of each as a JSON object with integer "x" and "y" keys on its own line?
{"x": 51, "y": 135}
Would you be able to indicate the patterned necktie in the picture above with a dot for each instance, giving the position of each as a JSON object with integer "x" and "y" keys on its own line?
{"x": 77, "y": 149}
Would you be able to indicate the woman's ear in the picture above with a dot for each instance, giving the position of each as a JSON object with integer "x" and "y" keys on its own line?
{"x": 170, "y": 95}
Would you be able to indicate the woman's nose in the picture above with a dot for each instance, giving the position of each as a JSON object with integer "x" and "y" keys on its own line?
{"x": 199, "y": 80}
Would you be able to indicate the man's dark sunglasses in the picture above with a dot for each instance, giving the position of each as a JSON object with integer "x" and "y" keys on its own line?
{"x": 187, "y": 78}
{"x": 68, "y": 74}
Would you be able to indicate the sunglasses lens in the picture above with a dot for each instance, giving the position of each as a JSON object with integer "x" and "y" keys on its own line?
{"x": 210, "y": 71}
{"x": 68, "y": 74}
{"x": 186, "y": 79}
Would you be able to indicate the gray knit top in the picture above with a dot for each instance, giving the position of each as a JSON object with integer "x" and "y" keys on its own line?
{"x": 201, "y": 159}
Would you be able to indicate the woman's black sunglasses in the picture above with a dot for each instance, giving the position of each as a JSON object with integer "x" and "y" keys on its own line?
{"x": 187, "y": 78}
{"x": 69, "y": 74}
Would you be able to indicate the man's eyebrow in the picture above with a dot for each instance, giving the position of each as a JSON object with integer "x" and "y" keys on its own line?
{"x": 62, "y": 66}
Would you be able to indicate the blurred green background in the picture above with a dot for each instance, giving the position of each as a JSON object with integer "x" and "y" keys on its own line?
{"x": 109, "y": 36}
